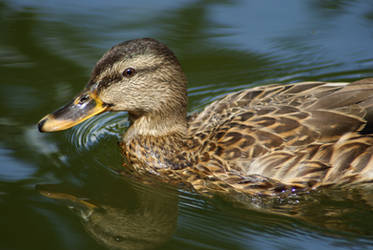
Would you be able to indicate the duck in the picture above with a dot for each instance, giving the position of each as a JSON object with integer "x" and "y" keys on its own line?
{"x": 263, "y": 141}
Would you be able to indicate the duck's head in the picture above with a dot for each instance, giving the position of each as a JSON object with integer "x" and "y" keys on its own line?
{"x": 140, "y": 76}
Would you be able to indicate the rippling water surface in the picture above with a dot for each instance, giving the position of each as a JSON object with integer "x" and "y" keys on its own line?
{"x": 66, "y": 191}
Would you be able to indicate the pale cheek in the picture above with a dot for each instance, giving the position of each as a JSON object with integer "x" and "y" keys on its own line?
{"x": 137, "y": 94}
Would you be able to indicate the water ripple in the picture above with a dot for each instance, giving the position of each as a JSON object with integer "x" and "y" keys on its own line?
{"x": 89, "y": 133}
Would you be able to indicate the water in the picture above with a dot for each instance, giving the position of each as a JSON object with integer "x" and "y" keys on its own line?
{"x": 49, "y": 183}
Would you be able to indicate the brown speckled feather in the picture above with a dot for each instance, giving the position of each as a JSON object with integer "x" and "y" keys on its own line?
{"x": 302, "y": 135}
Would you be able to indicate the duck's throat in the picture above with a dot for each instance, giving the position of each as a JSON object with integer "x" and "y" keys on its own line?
{"x": 156, "y": 147}
{"x": 155, "y": 126}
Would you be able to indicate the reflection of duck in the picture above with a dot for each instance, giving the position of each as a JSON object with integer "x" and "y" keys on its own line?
{"x": 265, "y": 140}
{"x": 122, "y": 226}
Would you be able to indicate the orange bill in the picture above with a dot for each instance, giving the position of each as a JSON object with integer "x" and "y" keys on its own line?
{"x": 82, "y": 108}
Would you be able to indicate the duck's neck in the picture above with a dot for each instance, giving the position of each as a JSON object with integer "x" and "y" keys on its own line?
{"x": 156, "y": 145}
{"x": 156, "y": 125}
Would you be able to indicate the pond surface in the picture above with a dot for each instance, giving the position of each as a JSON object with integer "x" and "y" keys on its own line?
{"x": 51, "y": 184}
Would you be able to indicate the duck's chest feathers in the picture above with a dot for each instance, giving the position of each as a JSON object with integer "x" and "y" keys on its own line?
{"x": 164, "y": 156}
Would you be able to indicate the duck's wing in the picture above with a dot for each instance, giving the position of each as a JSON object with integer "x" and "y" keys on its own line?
{"x": 320, "y": 111}
{"x": 272, "y": 130}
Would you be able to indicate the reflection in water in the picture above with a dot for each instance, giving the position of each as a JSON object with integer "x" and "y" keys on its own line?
{"x": 332, "y": 212}
{"x": 145, "y": 222}
{"x": 149, "y": 219}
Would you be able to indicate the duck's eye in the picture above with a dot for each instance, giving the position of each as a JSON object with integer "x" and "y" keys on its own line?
{"x": 129, "y": 72}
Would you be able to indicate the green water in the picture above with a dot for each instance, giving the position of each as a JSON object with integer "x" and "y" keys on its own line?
{"x": 47, "y": 49}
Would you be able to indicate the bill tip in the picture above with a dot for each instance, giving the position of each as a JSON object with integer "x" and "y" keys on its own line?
{"x": 41, "y": 124}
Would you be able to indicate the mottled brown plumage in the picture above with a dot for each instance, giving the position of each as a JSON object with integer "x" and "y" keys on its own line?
{"x": 263, "y": 140}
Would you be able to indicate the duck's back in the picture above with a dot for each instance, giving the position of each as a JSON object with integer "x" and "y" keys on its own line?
{"x": 303, "y": 135}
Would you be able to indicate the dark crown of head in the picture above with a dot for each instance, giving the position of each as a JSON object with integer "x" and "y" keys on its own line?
{"x": 130, "y": 49}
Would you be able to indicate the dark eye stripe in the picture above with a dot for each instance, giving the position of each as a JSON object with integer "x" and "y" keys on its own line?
{"x": 108, "y": 80}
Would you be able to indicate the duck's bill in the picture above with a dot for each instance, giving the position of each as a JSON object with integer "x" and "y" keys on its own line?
{"x": 82, "y": 108}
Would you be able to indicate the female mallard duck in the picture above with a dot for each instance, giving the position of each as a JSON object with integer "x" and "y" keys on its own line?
{"x": 263, "y": 140}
